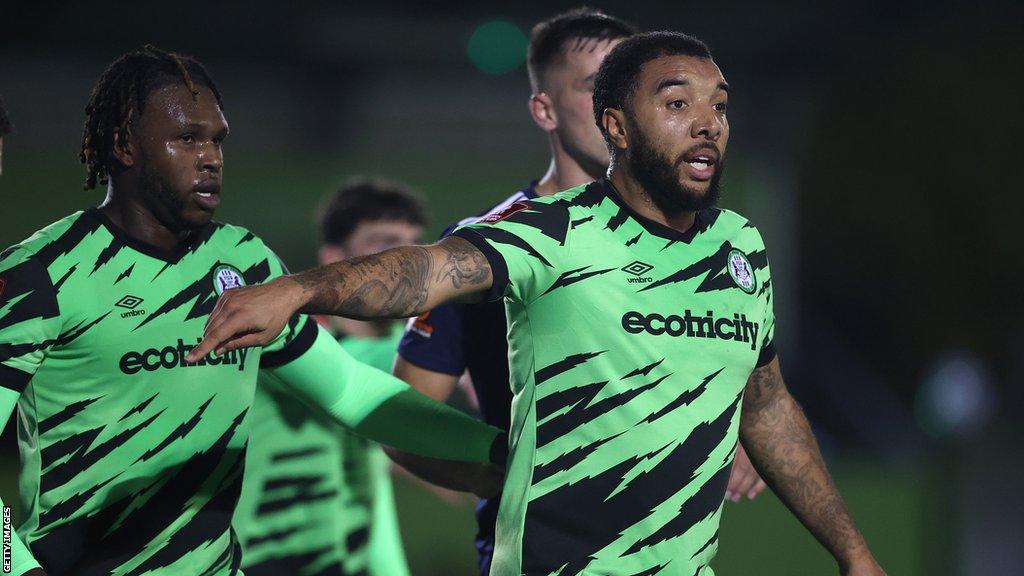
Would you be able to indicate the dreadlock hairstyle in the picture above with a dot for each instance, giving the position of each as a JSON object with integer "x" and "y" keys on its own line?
{"x": 5, "y": 120}
{"x": 119, "y": 97}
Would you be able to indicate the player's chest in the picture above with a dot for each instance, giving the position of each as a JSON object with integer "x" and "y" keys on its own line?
{"x": 682, "y": 299}
{"x": 142, "y": 315}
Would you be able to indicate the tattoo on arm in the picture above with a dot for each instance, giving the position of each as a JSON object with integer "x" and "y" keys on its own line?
{"x": 397, "y": 283}
{"x": 782, "y": 447}
{"x": 464, "y": 265}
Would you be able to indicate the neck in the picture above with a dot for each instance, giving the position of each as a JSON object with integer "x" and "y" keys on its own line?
{"x": 634, "y": 195}
{"x": 360, "y": 328}
{"x": 563, "y": 172}
{"x": 131, "y": 215}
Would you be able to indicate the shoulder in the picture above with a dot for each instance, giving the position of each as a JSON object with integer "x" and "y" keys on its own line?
{"x": 247, "y": 250}
{"x": 519, "y": 196}
{"x": 25, "y": 266}
{"x": 549, "y": 215}
{"x": 239, "y": 239}
{"x": 46, "y": 236}
{"x": 233, "y": 234}
{"x": 731, "y": 226}
{"x": 48, "y": 243}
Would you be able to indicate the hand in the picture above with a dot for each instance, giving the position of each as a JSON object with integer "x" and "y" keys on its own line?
{"x": 744, "y": 480}
{"x": 489, "y": 482}
{"x": 250, "y": 316}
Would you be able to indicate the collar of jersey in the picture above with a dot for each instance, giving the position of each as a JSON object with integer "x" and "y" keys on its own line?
{"x": 530, "y": 191}
{"x": 656, "y": 228}
{"x": 170, "y": 256}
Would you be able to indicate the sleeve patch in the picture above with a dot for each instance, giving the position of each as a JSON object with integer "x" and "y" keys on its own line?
{"x": 421, "y": 325}
{"x": 509, "y": 211}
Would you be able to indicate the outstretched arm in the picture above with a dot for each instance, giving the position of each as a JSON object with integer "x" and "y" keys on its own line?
{"x": 782, "y": 447}
{"x": 483, "y": 480}
{"x": 396, "y": 283}
{"x": 382, "y": 408}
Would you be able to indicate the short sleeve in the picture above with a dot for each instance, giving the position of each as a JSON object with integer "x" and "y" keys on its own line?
{"x": 29, "y": 318}
{"x": 298, "y": 335}
{"x": 433, "y": 340}
{"x": 766, "y": 337}
{"x": 524, "y": 245}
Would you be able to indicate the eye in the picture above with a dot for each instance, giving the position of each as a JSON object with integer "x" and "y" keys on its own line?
{"x": 721, "y": 106}
{"x": 188, "y": 138}
{"x": 676, "y": 104}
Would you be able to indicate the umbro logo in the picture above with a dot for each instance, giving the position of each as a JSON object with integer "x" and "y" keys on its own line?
{"x": 637, "y": 269}
{"x": 131, "y": 303}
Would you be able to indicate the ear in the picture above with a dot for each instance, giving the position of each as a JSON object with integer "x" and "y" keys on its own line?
{"x": 543, "y": 111}
{"x": 123, "y": 150}
{"x": 330, "y": 253}
{"x": 614, "y": 122}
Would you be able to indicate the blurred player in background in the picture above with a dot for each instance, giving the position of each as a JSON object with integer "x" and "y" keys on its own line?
{"x": 316, "y": 498}
{"x": 132, "y": 455}
{"x": 564, "y": 55}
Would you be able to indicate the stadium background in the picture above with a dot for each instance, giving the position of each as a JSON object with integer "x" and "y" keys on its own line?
{"x": 871, "y": 141}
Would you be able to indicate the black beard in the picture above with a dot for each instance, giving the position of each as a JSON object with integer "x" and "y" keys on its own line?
{"x": 659, "y": 177}
{"x": 166, "y": 206}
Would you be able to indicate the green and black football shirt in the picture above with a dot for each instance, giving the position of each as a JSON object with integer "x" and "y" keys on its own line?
{"x": 131, "y": 459}
{"x": 630, "y": 344}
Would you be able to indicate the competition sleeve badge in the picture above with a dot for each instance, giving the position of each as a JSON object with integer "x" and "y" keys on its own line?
{"x": 226, "y": 277}
{"x": 741, "y": 271}
{"x": 512, "y": 209}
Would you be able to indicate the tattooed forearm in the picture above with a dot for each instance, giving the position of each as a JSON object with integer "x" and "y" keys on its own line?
{"x": 781, "y": 445}
{"x": 397, "y": 283}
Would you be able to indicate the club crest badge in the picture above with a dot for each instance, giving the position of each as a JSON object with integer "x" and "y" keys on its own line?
{"x": 226, "y": 277}
{"x": 741, "y": 271}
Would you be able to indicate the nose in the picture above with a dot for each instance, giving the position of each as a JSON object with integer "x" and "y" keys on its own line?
{"x": 211, "y": 158}
{"x": 707, "y": 125}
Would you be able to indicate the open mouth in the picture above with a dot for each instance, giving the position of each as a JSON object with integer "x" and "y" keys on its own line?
{"x": 701, "y": 163}
{"x": 207, "y": 194}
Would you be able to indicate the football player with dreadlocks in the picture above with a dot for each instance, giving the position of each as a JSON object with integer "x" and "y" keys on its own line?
{"x": 132, "y": 456}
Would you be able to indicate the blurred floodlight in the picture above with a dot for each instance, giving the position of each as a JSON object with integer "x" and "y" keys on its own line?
{"x": 497, "y": 47}
{"x": 956, "y": 398}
